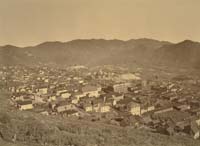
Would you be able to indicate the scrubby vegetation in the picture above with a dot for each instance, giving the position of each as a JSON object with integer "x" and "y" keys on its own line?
{"x": 40, "y": 130}
{"x": 26, "y": 128}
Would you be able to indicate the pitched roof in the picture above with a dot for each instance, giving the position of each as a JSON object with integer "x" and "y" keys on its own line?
{"x": 89, "y": 88}
{"x": 24, "y": 102}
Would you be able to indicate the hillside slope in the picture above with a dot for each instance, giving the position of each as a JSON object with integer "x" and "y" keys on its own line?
{"x": 100, "y": 52}
{"x": 185, "y": 53}
{"x": 37, "y": 130}
{"x": 86, "y": 52}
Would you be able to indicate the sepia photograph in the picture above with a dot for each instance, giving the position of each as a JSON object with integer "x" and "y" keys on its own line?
{"x": 99, "y": 72}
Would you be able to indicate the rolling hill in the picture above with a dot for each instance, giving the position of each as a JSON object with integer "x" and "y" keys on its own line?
{"x": 87, "y": 52}
{"x": 100, "y": 52}
{"x": 185, "y": 53}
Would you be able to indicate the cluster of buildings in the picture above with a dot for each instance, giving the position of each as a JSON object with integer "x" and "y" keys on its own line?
{"x": 109, "y": 95}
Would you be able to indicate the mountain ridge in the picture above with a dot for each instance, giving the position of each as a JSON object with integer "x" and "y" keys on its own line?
{"x": 46, "y": 42}
{"x": 184, "y": 53}
{"x": 102, "y": 51}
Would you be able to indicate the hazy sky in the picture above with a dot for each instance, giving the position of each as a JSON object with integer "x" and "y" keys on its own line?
{"x": 29, "y": 22}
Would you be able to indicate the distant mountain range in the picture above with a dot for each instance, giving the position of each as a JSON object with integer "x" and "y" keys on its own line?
{"x": 100, "y": 52}
{"x": 185, "y": 53}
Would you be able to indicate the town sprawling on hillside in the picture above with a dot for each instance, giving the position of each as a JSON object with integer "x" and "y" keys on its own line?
{"x": 107, "y": 94}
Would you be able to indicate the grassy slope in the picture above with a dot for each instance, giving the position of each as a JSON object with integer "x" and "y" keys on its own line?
{"x": 37, "y": 129}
